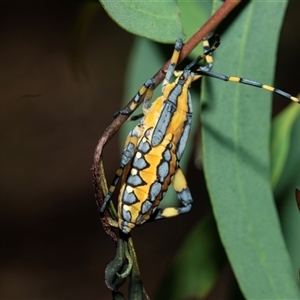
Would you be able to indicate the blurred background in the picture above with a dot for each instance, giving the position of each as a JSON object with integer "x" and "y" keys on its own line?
{"x": 58, "y": 91}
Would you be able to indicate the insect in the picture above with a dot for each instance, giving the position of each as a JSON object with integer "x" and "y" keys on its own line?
{"x": 153, "y": 149}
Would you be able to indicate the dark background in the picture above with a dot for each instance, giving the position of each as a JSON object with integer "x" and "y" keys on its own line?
{"x": 58, "y": 91}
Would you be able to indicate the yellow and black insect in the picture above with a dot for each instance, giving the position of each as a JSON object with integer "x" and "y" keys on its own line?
{"x": 153, "y": 149}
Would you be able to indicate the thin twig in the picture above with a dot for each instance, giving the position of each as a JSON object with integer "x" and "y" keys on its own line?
{"x": 297, "y": 195}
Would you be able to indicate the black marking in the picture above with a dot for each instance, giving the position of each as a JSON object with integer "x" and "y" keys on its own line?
{"x": 136, "y": 117}
{"x": 127, "y": 111}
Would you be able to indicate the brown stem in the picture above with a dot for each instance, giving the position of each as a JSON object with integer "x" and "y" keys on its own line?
{"x": 209, "y": 26}
{"x": 99, "y": 179}
{"x": 297, "y": 195}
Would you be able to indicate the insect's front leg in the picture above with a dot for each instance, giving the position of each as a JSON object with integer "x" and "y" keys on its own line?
{"x": 208, "y": 58}
{"x": 206, "y": 55}
{"x": 173, "y": 62}
{"x": 127, "y": 155}
{"x": 184, "y": 195}
{"x": 146, "y": 90}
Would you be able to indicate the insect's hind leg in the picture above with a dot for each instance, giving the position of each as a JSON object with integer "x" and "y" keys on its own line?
{"x": 183, "y": 192}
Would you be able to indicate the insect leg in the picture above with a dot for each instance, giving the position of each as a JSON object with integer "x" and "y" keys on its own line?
{"x": 248, "y": 82}
{"x": 146, "y": 105}
{"x": 135, "y": 117}
{"x": 146, "y": 90}
{"x": 184, "y": 195}
{"x": 206, "y": 53}
{"x": 173, "y": 62}
{"x": 208, "y": 57}
{"x": 126, "y": 157}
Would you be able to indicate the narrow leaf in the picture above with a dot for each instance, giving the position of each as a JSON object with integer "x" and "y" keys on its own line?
{"x": 289, "y": 176}
{"x": 281, "y": 140}
{"x": 236, "y": 129}
{"x": 196, "y": 266}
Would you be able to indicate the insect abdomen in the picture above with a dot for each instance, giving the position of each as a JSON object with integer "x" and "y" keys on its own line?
{"x": 146, "y": 181}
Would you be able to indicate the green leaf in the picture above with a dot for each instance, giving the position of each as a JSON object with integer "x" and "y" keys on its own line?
{"x": 285, "y": 191}
{"x": 284, "y": 154}
{"x": 290, "y": 220}
{"x": 236, "y": 130}
{"x": 196, "y": 266}
{"x": 156, "y": 20}
{"x": 193, "y": 15}
{"x": 281, "y": 140}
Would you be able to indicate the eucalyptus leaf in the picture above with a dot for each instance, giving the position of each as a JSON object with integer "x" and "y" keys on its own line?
{"x": 156, "y": 20}
{"x": 236, "y": 133}
{"x": 193, "y": 15}
{"x": 281, "y": 140}
{"x": 196, "y": 266}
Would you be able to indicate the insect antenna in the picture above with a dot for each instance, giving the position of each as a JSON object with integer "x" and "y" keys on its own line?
{"x": 248, "y": 82}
